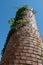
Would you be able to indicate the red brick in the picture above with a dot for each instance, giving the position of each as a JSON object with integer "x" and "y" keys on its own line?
{"x": 22, "y": 61}
{"x": 26, "y": 47}
{"x": 29, "y": 58}
{"x": 25, "y": 51}
{"x": 18, "y": 57}
{"x": 22, "y": 54}
{"x": 40, "y": 61}
{"x": 23, "y": 57}
{"x": 40, "y": 64}
{"x": 34, "y": 63}
{"x": 33, "y": 55}
{"x": 28, "y": 62}
{"x": 34, "y": 59}
{"x": 16, "y": 61}
{"x": 28, "y": 54}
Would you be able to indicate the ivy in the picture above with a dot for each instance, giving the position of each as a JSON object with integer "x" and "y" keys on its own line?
{"x": 15, "y": 24}
{"x": 14, "y": 28}
{"x": 21, "y": 12}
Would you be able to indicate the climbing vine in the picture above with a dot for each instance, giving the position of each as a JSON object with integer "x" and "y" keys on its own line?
{"x": 21, "y": 13}
{"x": 16, "y": 23}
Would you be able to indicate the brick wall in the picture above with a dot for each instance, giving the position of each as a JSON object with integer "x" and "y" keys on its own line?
{"x": 24, "y": 46}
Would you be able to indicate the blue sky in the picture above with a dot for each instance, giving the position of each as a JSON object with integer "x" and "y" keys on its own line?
{"x": 8, "y": 10}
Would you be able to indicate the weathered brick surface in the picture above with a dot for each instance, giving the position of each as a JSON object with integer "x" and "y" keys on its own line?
{"x": 24, "y": 46}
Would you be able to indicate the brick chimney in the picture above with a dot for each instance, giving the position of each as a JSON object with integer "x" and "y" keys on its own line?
{"x": 24, "y": 47}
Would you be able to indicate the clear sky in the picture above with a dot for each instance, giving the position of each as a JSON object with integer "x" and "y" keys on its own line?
{"x": 8, "y": 10}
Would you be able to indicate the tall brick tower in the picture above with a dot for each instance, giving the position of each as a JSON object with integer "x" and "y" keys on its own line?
{"x": 24, "y": 46}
